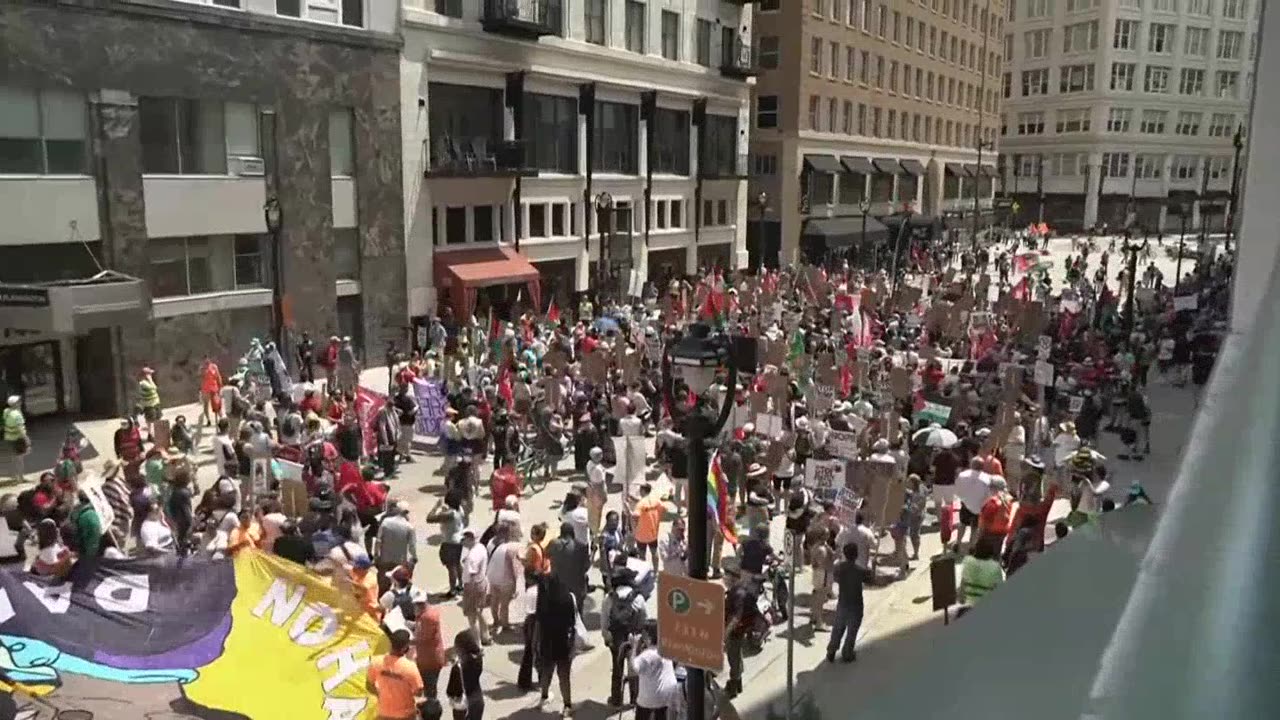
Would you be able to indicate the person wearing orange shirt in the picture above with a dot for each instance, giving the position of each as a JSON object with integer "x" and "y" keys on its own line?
{"x": 210, "y": 393}
{"x": 648, "y": 519}
{"x": 996, "y": 516}
{"x": 428, "y": 640}
{"x": 245, "y": 535}
{"x": 536, "y": 562}
{"x": 394, "y": 681}
{"x": 364, "y": 585}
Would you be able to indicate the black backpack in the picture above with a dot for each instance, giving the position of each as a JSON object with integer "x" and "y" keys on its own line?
{"x": 624, "y": 616}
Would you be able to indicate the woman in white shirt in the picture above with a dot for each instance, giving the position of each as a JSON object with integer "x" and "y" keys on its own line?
{"x": 155, "y": 536}
{"x": 657, "y": 687}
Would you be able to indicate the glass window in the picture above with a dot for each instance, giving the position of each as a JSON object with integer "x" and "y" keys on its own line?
{"x": 341, "y": 155}
{"x": 181, "y": 136}
{"x": 677, "y": 213}
{"x": 616, "y": 138}
{"x": 346, "y": 253}
{"x": 242, "y": 129}
{"x": 703, "y": 45}
{"x": 558, "y": 213}
{"x": 551, "y": 132}
{"x": 635, "y": 26}
{"x": 1157, "y": 80}
{"x": 767, "y": 111}
{"x": 670, "y": 155}
{"x": 660, "y": 214}
{"x": 722, "y": 212}
{"x": 248, "y": 261}
{"x": 537, "y": 220}
{"x": 719, "y": 157}
{"x": 455, "y": 225}
{"x": 465, "y": 123}
{"x": 482, "y": 217}
{"x": 1122, "y": 75}
{"x": 594, "y": 14}
{"x": 768, "y": 50}
{"x": 43, "y": 132}
{"x": 670, "y": 35}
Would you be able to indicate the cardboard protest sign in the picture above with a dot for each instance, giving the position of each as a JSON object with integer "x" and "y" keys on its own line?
{"x": 775, "y": 353}
{"x": 630, "y": 366}
{"x": 1031, "y": 321}
{"x": 293, "y": 495}
{"x": 1077, "y": 404}
{"x": 1011, "y": 381}
{"x": 595, "y": 367}
{"x": 556, "y": 358}
{"x": 892, "y": 431}
{"x": 162, "y": 434}
{"x": 1186, "y": 302}
{"x": 843, "y": 444}
{"x": 883, "y": 505}
{"x": 769, "y": 425}
{"x": 821, "y": 398}
{"x": 824, "y": 477}
{"x": 825, "y": 373}
{"x": 1043, "y": 373}
{"x": 759, "y": 403}
{"x": 776, "y": 386}
{"x": 774, "y": 456}
{"x": 900, "y": 382}
{"x": 906, "y": 298}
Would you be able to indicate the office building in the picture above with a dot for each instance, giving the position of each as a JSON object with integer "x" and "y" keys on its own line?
{"x": 553, "y": 147}
{"x": 1119, "y": 111}
{"x": 870, "y": 104}
{"x": 178, "y": 177}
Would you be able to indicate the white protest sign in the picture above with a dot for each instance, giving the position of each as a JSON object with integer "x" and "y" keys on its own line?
{"x": 1044, "y": 373}
{"x": 1186, "y": 302}
{"x": 857, "y": 423}
{"x": 843, "y": 444}
{"x": 769, "y": 425}
{"x": 1044, "y": 344}
{"x": 824, "y": 477}
{"x": 1077, "y": 404}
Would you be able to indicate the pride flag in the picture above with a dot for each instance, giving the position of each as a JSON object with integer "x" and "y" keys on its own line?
{"x": 719, "y": 504}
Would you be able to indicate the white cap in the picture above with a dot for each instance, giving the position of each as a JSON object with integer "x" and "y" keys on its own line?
{"x": 14, "y": 401}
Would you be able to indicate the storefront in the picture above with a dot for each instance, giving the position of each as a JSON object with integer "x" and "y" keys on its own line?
{"x": 56, "y": 347}
{"x": 472, "y": 282}
{"x": 712, "y": 257}
{"x": 666, "y": 264}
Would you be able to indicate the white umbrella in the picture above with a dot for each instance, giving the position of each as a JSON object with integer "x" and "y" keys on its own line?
{"x": 935, "y": 436}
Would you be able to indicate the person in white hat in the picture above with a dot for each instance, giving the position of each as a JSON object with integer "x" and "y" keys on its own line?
{"x": 15, "y": 436}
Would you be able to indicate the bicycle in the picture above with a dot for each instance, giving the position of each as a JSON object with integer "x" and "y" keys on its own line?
{"x": 527, "y": 467}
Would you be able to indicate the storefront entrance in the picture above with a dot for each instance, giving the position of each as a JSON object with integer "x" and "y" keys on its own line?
{"x": 34, "y": 373}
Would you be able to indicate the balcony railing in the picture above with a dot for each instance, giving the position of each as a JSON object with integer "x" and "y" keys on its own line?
{"x": 527, "y": 19}
{"x": 716, "y": 166}
{"x": 478, "y": 156}
{"x": 739, "y": 60}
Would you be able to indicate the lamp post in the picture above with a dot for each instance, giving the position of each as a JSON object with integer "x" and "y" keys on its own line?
{"x": 1131, "y": 249}
{"x": 977, "y": 188}
{"x": 760, "y": 203}
{"x": 604, "y": 207}
{"x": 698, "y": 355}
{"x": 273, "y": 217}
{"x": 1184, "y": 210}
{"x": 1237, "y": 141}
{"x": 865, "y": 206}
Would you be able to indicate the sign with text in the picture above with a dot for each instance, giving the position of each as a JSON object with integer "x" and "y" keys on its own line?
{"x": 843, "y": 444}
{"x": 691, "y": 621}
{"x": 824, "y": 477}
{"x": 1044, "y": 373}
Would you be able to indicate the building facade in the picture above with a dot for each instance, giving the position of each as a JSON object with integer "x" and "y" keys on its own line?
{"x": 239, "y": 158}
{"x": 870, "y": 107}
{"x": 582, "y": 145}
{"x": 1125, "y": 110}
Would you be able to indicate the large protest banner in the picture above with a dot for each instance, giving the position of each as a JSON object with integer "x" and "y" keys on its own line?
{"x": 254, "y": 637}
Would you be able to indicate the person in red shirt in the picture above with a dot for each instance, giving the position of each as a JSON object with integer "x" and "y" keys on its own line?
{"x": 370, "y": 499}
{"x": 995, "y": 517}
{"x": 504, "y": 482}
{"x": 310, "y": 403}
{"x": 210, "y": 387}
{"x": 337, "y": 408}
{"x": 348, "y": 476}
{"x": 329, "y": 359}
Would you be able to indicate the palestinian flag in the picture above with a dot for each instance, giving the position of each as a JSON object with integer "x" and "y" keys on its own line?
{"x": 553, "y": 313}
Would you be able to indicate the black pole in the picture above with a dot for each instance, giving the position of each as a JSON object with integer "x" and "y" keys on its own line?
{"x": 876, "y": 253}
{"x": 977, "y": 185}
{"x": 1131, "y": 281}
{"x": 701, "y": 428}
{"x": 1040, "y": 187}
{"x": 1182, "y": 238}
{"x": 1238, "y": 142}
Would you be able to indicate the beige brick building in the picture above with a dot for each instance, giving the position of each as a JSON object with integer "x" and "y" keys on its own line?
{"x": 875, "y": 105}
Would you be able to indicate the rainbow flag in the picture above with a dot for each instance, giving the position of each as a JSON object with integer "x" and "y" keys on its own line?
{"x": 719, "y": 504}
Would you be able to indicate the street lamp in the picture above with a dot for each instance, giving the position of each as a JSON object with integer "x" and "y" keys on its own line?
{"x": 1184, "y": 209}
{"x": 865, "y": 206}
{"x": 1237, "y": 141}
{"x": 604, "y": 205}
{"x": 760, "y": 203}
{"x": 977, "y": 189}
{"x": 699, "y": 355}
{"x": 1131, "y": 249}
{"x": 273, "y": 218}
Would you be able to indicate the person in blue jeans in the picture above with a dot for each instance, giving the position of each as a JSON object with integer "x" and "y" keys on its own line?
{"x": 844, "y": 631}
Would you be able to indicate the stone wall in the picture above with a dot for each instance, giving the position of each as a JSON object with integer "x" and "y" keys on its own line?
{"x": 115, "y": 52}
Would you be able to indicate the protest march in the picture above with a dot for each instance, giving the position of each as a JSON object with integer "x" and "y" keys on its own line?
{"x": 329, "y": 540}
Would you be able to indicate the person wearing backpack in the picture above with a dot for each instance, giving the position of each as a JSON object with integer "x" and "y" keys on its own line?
{"x": 407, "y": 410}
{"x": 625, "y": 614}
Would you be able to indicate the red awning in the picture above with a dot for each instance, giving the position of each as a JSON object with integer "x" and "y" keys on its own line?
{"x": 462, "y": 271}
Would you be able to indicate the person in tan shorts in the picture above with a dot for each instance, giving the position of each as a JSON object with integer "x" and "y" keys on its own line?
{"x": 475, "y": 584}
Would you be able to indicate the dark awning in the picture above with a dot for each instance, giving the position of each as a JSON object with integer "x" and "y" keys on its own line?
{"x": 987, "y": 170}
{"x": 822, "y": 163}
{"x": 842, "y": 232}
{"x": 971, "y": 169}
{"x": 887, "y": 166}
{"x": 956, "y": 170}
{"x": 857, "y": 165}
{"x": 913, "y": 167}
{"x": 75, "y": 306}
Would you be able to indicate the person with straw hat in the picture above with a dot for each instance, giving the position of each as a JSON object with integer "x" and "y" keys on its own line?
{"x": 15, "y": 435}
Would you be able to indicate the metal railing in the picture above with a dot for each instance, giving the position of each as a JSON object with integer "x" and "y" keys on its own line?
{"x": 545, "y": 14}
{"x": 477, "y": 155}
{"x": 739, "y": 58}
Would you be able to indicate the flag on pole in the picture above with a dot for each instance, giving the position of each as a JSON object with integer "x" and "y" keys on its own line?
{"x": 718, "y": 501}
{"x": 553, "y": 312}
{"x": 797, "y": 345}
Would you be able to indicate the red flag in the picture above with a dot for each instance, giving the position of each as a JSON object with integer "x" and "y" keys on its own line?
{"x": 505, "y": 391}
{"x": 553, "y": 313}
{"x": 1020, "y": 291}
{"x": 846, "y": 380}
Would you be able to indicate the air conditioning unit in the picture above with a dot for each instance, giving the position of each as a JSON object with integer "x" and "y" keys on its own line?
{"x": 246, "y": 166}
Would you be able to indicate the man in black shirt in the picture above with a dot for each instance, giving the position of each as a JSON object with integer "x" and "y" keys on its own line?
{"x": 291, "y": 545}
